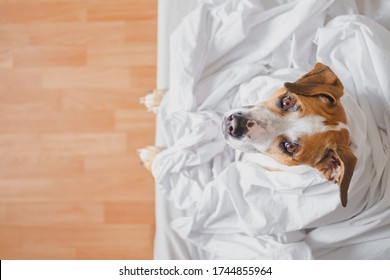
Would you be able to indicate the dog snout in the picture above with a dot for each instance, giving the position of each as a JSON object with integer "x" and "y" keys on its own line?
{"x": 236, "y": 124}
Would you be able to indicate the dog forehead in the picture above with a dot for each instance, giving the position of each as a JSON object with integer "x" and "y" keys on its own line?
{"x": 306, "y": 128}
{"x": 307, "y": 125}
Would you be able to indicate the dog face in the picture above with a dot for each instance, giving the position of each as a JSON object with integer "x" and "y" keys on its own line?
{"x": 302, "y": 123}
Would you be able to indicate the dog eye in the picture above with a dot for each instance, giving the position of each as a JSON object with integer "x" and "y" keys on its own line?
{"x": 286, "y": 102}
{"x": 289, "y": 147}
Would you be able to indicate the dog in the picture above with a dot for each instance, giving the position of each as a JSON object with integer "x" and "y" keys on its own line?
{"x": 303, "y": 123}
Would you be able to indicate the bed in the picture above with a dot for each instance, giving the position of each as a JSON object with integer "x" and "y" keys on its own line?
{"x": 213, "y": 202}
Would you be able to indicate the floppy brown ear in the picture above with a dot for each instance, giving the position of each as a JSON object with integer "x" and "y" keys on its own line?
{"x": 338, "y": 166}
{"x": 319, "y": 81}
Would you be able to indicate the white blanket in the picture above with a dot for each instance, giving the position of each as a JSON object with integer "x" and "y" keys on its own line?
{"x": 227, "y": 54}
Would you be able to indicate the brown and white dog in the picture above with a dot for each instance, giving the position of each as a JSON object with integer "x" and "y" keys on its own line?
{"x": 302, "y": 123}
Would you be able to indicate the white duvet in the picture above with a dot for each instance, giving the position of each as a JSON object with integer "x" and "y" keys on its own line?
{"x": 227, "y": 54}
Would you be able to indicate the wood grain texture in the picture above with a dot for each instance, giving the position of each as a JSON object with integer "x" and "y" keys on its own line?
{"x": 71, "y": 75}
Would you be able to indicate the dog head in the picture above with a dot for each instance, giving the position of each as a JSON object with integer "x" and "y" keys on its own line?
{"x": 302, "y": 123}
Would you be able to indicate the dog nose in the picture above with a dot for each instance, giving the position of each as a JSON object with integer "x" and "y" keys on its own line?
{"x": 236, "y": 124}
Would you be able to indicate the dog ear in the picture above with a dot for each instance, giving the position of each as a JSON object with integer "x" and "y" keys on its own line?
{"x": 338, "y": 166}
{"x": 321, "y": 81}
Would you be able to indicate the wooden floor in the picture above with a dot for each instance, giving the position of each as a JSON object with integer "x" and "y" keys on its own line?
{"x": 71, "y": 75}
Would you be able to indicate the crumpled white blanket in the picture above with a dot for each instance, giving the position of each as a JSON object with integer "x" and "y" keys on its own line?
{"x": 227, "y": 54}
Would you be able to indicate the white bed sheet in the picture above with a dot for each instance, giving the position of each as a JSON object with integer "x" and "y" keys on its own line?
{"x": 168, "y": 244}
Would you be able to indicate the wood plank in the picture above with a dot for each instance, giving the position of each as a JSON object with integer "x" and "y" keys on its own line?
{"x": 3, "y": 212}
{"x": 15, "y": 100}
{"x": 53, "y": 213}
{"x": 10, "y": 237}
{"x": 50, "y": 1}
{"x": 58, "y": 122}
{"x": 134, "y": 120}
{"x": 95, "y": 100}
{"x": 49, "y": 56}
{"x": 88, "y": 236}
{"x": 136, "y": 185}
{"x": 20, "y": 145}
{"x": 38, "y": 252}
{"x": 134, "y": 53}
{"x": 89, "y": 242}
{"x": 140, "y": 84}
{"x": 27, "y": 190}
{"x": 133, "y": 10}
{"x": 72, "y": 33}
{"x": 39, "y": 167}
{"x": 6, "y": 57}
{"x": 86, "y": 78}
{"x": 27, "y": 11}
{"x": 14, "y": 35}
{"x": 144, "y": 31}
{"x": 122, "y": 212}
{"x": 20, "y": 78}
{"x": 115, "y": 253}
{"x": 86, "y": 144}
{"x": 97, "y": 186}
{"x": 115, "y": 165}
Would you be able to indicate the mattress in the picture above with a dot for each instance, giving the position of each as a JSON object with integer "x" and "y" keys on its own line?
{"x": 199, "y": 214}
